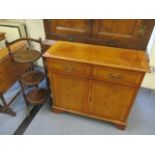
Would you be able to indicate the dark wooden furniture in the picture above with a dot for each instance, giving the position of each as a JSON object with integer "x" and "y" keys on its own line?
{"x": 95, "y": 81}
{"x": 124, "y": 33}
{"x": 8, "y": 73}
{"x": 37, "y": 95}
{"x": 2, "y": 36}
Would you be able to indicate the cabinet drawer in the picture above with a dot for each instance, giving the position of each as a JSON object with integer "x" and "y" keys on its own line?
{"x": 117, "y": 75}
{"x": 69, "y": 67}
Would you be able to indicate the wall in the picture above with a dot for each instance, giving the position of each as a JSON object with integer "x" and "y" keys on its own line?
{"x": 151, "y": 43}
{"x": 149, "y": 78}
{"x": 34, "y": 27}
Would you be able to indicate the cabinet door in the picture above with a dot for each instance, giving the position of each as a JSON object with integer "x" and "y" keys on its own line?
{"x": 70, "y": 92}
{"x": 67, "y": 28}
{"x": 111, "y": 101}
{"x": 127, "y": 33}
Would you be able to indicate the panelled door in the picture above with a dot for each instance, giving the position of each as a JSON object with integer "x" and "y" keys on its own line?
{"x": 122, "y": 32}
{"x": 111, "y": 101}
{"x": 70, "y": 92}
{"x": 69, "y": 28}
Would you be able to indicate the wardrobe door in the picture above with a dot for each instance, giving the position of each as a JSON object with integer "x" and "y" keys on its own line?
{"x": 125, "y": 33}
{"x": 67, "y": 29}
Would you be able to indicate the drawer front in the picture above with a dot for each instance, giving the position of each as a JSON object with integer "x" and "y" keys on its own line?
{"x": 68, "y": 67}
{"x": 118, "y": 75}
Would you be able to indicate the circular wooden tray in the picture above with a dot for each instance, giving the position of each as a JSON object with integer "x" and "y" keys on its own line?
{"x": 36, "y": 96}
{"x": 31, "y": 78}
{"x": 27, "y": 56}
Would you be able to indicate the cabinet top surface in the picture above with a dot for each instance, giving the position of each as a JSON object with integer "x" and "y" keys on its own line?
{"x": 99, "y": 55}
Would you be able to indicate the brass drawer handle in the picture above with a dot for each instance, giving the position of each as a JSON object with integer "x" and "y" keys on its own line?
{"x": 69, "y": 69}
{"x": 115, "y": 77}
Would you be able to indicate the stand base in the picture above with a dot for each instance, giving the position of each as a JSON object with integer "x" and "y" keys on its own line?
{"x": 7, "y": 110}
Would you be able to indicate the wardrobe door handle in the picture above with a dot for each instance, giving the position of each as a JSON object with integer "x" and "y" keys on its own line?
{"x": 142, "y": 30}
{"x": 112, "y": 44}
{"x": 71, "y": 39}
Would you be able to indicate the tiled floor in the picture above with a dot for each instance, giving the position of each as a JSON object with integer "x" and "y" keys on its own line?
{"x": 141, "y": 120}
{"x": 8, "y": 124}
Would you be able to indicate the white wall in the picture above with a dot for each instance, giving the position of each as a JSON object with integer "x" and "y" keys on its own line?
{"x": 151, "y": 49}
{"x": 151, "y": 43}
{"x": 35, "y": 29}
{"x": 149, "y": 78}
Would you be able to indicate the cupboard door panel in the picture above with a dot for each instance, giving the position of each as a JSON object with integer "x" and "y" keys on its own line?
{"x": 70, "y": 27}
{"x": 110, "y": 100}
{"x": 127, "y": 33}
{"x": 70, "y": 92}
{"x": 122, "y": 29}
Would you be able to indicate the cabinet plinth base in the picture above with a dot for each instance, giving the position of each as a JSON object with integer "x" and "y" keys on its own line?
{"x": 121, "y": 126}
{"x": 56, "y": 110}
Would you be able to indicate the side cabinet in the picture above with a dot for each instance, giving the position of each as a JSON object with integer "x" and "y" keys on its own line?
{"x": 99, "y": 92}
{"x": 101, "y": 86}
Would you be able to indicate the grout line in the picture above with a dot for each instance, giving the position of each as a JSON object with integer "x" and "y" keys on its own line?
{"x": 26, "y": 122}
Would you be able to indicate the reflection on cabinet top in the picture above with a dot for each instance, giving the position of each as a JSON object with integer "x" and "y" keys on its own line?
{"x": 99, "y": 55}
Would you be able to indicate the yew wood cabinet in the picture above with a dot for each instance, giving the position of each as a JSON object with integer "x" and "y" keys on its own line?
{"x": 95, "y": 81}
